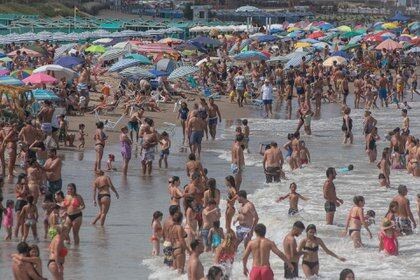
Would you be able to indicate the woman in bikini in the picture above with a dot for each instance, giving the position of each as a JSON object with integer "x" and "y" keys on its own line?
{"x": 22, "y": 192}
{"x": 102, "y": 185}
{"x": 57, "y": 255}
{"x": 212, "y": 192}
{"x": 177, "y": 236}
{"x": 230, "y": 201}
{"x": 34, "y": 179}
{"x": 157, "y": 232}
{"x": 310, "y": 246}
{"x": 74, "y": 205}
{"x": 174, "y": 191}
{"x": 355, "y": 221}
{"x": 225, "y": 253}
{"x": 100, "y": 139}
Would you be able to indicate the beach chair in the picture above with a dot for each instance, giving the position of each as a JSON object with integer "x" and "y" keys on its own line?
{"x": 207, "y": 93}
{"x": 109, "y": 124}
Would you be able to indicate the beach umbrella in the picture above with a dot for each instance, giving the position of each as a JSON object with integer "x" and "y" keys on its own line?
{"x": 167, "y": 65}
{"x": 57, "y": 70}
{"x": 389, "y": 45}
{"x": 137, "y": 73}
{"x": 403, "y": 38}
{"x": 170, "y": 41}
{"x": 6, "y": 59}
{"x": 416, "y": 41}
{"x": 372, "y": 38}
{"x": 205, "y": 60}
{"x": 414, "y": 50}
{"x": 21, "y": 74}
{"x": 182, "y": 72}
{"x": 4, "y": 72}
{"x": 414, "y": 26}
{"x": 296, "y": 59}
{"x": 390, "y": 25}
{"x": 316, "y": 35}
{"x": 42, "y": 94}
{"x": 326, "y": 26}
{"x": 250, "y": 56}
{"x": 266, "y": 38}
{"x": 10, "y": 81}
{"x": 330, "y": 61}
{"x": 248, "y": 9}
{"x": 293, "y": 28}
{"x": 205, "y": 41}
{"x": 308, "y": 40}
{"x": 29, "y": 52}
{"x": 39, "y": 78}
{"x": 140, "y": 58}
{"x": 103, "y": 41}
{"x": 344, "y": 28}
{"x": 62, "y": 50}
{"x": 295, "y": 34}
{"x": 399, "y": 17}
{"x": 302, "y": 45}
{"x": 112, "y": 54}
{"x": 320, "y": 45}
{"x": 342, "y": 54}
{"x": 68, "y": 61}
{"x": 350, "y": 34}
{"x": 96, "y": 49}
{"x": 2, "y": 55}
{"x": 350, "y": 46}
{"x": 122, "y": 64}
{"x": 158, "y": 73}
{"x": 355, "y": 39}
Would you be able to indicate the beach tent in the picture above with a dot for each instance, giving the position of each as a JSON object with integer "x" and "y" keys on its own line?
{"x": 389, "y": 45}
{"x": 7, "y": 80}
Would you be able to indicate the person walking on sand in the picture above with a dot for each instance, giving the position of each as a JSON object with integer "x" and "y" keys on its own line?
{"x": 290, "y": 250}
{"x": 238, "y": 160}
{"x": 330, "y": 195}
{"x": 261, "y": 248}
{"x": 103, "y": 185}
{"x": 214, "y": 117}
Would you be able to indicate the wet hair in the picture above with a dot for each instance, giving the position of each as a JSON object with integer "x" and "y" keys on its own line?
{"x": 20, "y": 177}
{"x": 402, "y": 189}
{"x": 211, "y": 184}
{"x": 175, "y": 179}
{"x": 213, "y": 272}
{"x": 350, "y": 167}
{"x": 173, "y": 209}
{"x": 164, "y": 134}
{"x": 299, "y": 225}
{"x": 292, "y": 184}
{"x": 311, "y": 226}
{"x": 381, "y": 176}
{"x": 216, "y": 224}
{"x": 60, "y": 194}
{"x": 211, "y": 202}
{"x": 192, "y": 156}
{"x": 9, "y": 203}
{"x": 73, "y": 185}
{"x": 231, "y": 181}
{"x": 30, "y": 199}
{"x": 347, "y": 110}
{"x": 239, "y": 138}
{"x": 194, "y": 244}
{"x": 273, "y": 144}
{"x": 245, "y": 122}
{"x": 99, "y": 125}
{"x": 22, "y": 248}
{"x": 345, "y": 272}
{"x": 196, "y": 175}
{"x": 177, "y": 217}
{"x": 205, "y": 170}
{"x": 34, "y": 247}
{"x": 392, "y": 204}
{"x": 242, "y": 194}
{"x": 156, "y": 216}
{"x": 371, "y": 213}
{"x": 357, "y": 199}
{"x": 81, "y": 126}
{"x": 296, "y": 134}
{"x": 330, "y": 171}
{"x": 260, "y": 230}
{"x": 404, "y": 111}
{"x": 290, "y": 136}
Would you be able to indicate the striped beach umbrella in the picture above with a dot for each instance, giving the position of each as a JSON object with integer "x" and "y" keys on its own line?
{"x": 141, "y": 58}
{"x": 122, "y": 64}
{"x": 113, "y": 54}
{"x": 250, "y": 56}
{"x": 4, "y": 72}
{"x": 21, "y": 74}
{"x": 39, "y": 78}
{"x": 7, "y": 80}
{"x": 60, "y": 51}
{"x": 182, "y": 72}
{"x": 137, "y": 73}
{"x": 96, "y": 49}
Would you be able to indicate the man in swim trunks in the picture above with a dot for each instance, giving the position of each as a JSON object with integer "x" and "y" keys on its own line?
{"x": 214, "y": 116}
{"x": 261, "y": 248}
{"x": 330, "y": 195}
{"x": 290, "y": 250}
{"x": 299, "y": 86}
{"x": 45, "y": 116}
{"x": 382, "y": 89}
{"x": 404, "y": 217}
{"x": 238, "y": 160}
{"x": 272, "y": 163}
{"x": 167, "y": 245}
{"x": 52, "y": 168}
{"x": 247, "y": 219}
{"x": 195, "y": 130}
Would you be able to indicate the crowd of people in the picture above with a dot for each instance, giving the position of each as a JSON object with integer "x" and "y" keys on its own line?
{"x": 194, "y": 223}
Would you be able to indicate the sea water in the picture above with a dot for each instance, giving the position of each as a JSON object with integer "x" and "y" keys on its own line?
{"x": 122, "y": 249}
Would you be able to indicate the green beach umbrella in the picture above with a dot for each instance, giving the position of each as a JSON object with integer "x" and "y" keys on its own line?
{"x": 140, "y": 58}
{"x": 6, "y": 59}
{"x": 96, "y": 49}
{"x": 350, "y": 46}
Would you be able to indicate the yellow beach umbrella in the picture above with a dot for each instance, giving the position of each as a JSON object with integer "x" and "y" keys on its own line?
{"x": 390, "y": 25}
{"x": 302, "y": 45}
{"x": 291, "y": 29}
{"x": 344, "y": 28}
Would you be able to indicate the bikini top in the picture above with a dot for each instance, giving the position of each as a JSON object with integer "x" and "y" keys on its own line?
{"x": 313, "y": 249}
{"x": 73, "y": 202}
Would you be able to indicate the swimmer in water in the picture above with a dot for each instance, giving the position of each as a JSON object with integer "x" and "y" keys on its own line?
{"x": 346, "y": 169}
{"x": 293, "y": 199}
{"x": 388, "y": 241}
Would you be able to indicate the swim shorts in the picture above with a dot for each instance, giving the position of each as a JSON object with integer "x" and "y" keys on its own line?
{"x": 293, "y": 211}
{"x": 242, "y": 232}
{"x": 213, "y": 121}
{"x": 196, "y": 137}
{"x": 272, "y": 174}
{"x": 168, "y": 253}
{"x": 133, "y": 125}
{"x": 329, "y": 207}
{"x": 55, "y": 186}
{"x": 268, "y": 101}
{"x": 404, "y": 224}
{"x": 382, "y": 93}
{"x": 288, "y": 274}
{"x": 204, "y": 236}
{"x": 261, "y": 273}
{"x": 299, "y": 90}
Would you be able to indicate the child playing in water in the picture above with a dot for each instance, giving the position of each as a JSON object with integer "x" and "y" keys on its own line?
{"x": 111, "y": 159}
{"x": 29, "y": 216}
{"x": 156, "y": 232}
{"x": 388, "y": 238}
{"x": 246, "y": 131}
{"x": 293, "y": 199}
{"x": 48, "y": 206}
{"x": 305, "y": 156}
{"x": 8, "y": 219}
{"x": 165, "y": 145}
{"x": 370, "y": 217}
{"x": 307, "y": 117}
{"x": 215, "y": 235}
{"x": 81, "y": 136}
{"x": 346, "y": 169}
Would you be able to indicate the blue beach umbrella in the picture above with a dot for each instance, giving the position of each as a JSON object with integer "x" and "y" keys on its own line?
{"x": 10, "y": 81}
{"x": 140, "y": 58}
{"x": 326, "y": 26}
{"x": 250, "y": 56}
{"x": 122, "y": 64}
{"x": 158, "y": 73}
{"x": 42, "y": 94}
{"x": 266, "y": 38}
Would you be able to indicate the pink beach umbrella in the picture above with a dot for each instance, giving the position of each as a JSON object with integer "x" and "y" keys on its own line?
{"x": 4, "y": 72}
{"x": 39, "y": 78}
{"x": 389, "y": 45}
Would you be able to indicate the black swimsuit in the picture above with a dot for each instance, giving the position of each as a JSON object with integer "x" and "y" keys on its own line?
{"x": 311, "y": 265}
{"x": 101, "y": 195}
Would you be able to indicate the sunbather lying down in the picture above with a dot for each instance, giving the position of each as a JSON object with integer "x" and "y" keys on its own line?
{"x": 104, "y": 106}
